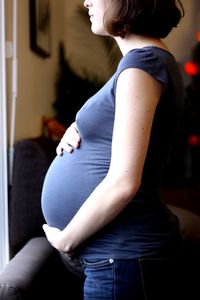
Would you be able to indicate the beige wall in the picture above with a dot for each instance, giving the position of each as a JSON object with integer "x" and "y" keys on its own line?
{"x": 36, "y": 76}
{"x": 183, "y": 38}
{"x": 36, "y": 81}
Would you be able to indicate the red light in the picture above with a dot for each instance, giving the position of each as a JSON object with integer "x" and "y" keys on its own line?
{"x": 191, "y": 68}
{"x": 193, "y": 140}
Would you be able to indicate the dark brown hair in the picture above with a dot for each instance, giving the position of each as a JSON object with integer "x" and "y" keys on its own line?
{"x": 154, "y": 18}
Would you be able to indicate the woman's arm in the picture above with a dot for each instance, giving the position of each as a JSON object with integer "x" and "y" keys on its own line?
{"x": 137, "y": 96}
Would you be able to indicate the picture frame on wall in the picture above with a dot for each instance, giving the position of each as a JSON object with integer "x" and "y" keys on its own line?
{"x": 40, "y": 27}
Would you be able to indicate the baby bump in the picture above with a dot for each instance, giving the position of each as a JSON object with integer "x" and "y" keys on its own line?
{"x": 66, "y": 186}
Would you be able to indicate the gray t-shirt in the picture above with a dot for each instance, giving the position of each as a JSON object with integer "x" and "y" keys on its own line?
{"x": 145, "y": 225}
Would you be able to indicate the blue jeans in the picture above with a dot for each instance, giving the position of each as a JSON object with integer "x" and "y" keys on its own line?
{"x": 135, "y": 279}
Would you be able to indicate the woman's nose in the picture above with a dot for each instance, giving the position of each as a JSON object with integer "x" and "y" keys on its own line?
{"x": 87, "y": 3}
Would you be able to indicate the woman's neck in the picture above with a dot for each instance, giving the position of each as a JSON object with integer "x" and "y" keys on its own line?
{"x": 133, "y": 41}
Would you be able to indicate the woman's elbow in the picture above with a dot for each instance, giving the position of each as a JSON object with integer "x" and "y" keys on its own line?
{"x": 131, "y": 187}
{"x": 127, "y": 188}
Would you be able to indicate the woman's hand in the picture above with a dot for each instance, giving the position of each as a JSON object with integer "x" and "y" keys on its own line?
{"x": 70, "y": 140}
{"x": 53, "y": 235}
{"x": 55, "y": 238}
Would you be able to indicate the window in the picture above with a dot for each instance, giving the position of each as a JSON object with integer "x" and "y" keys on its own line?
{"x": 4, "y": 244}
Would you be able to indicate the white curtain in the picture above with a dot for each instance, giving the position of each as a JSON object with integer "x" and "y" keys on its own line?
{"x": 4, "y": 239}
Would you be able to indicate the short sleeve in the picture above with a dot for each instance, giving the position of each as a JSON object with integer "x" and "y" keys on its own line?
{"x": 145, "y": 59}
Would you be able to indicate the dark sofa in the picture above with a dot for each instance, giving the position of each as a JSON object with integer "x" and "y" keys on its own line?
{"x": 35, "y": 270}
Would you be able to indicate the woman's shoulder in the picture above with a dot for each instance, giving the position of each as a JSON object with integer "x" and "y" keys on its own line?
{"x": 148, "y": 55}
{"x": 151, "y": 59}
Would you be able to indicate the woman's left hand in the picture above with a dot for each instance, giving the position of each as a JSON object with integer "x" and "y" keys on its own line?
{"x": 54, "y": 237}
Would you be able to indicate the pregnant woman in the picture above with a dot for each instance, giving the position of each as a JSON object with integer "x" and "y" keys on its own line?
{"x": 101, "y": 195}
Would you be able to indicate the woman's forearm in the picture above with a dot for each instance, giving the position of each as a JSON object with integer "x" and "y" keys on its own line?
{"x": 103, "y": 205}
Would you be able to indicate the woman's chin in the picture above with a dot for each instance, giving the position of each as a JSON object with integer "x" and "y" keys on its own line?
{"x": 98, "y": 31}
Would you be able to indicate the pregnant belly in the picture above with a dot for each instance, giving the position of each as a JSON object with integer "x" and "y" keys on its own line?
{"x": 69, "y": 181}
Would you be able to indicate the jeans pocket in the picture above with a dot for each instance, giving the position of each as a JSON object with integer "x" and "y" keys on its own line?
{"x": 96, "y": 263}
{"x": 98, "y": 278}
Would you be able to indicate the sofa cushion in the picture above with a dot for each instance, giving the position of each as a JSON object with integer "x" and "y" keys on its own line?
{"x": 32, "y": 158}
{"x": 189, "y": 223}
{"x": 37, "y": 272}
{"x": 19, "y": 275}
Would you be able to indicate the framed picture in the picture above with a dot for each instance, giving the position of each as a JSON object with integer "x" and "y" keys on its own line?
{"x": 40, "y": 27}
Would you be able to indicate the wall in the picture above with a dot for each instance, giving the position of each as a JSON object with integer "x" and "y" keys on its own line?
{"x": 36, "y": 82}
{"x": 183, "y": 38}
{"x": 36, "y": 76}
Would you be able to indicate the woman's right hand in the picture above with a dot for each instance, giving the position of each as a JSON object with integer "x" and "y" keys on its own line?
{"x": 70, "y": 140}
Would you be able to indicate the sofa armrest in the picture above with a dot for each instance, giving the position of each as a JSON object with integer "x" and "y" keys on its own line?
{"x": 34, "y": 272}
